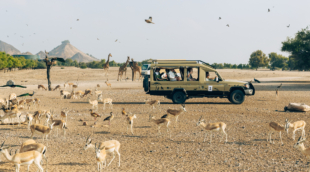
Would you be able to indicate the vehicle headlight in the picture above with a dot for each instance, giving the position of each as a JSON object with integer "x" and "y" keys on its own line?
{"x": 246, "y": 85}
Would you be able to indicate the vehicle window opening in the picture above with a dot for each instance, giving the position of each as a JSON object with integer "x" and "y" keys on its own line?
{"x": 192, "y": 74}
{"x": 211, "y": 76}
{"x": 168, "y": 74}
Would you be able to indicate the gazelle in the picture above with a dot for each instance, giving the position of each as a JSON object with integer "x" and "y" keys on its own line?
{"x": 106, "y": 101}
{"x": 41, "y": 129}
{"x": 12, "y": 96}
{"x": 175, "y": 113}
{"x": 75, "y": 85}
{"x": 29, "y": 102}
{"x": 29, "y": 118}
{"x": 152, "y": 103}
{"x": 36, "y": 101}
{"x": 160, "y": 122}
{"x": 274, "y": 126}
{"x": 100, "y": 156}
{"x": 37, "y": 115}
{"x": 98, "y": 93}
{"x": 87, "y": 92}
{"x": 64, "y": 94}
{"x": 93, "y": 102}
{"x": 11, "y": 114}
{"x": 31, "y": 145}
{"x": 111, "y": 147}
{"x": 64, "y": 114}
{"x": 79, "y": 94}
{"x": 41, "y": 87}
{"x": 57, "y": 88}
{"x": 108, "y": 84}
{"x": 59, "y": 124}
{"x": 70, "y": 84}
{"x": 301, "y": 147}
{"x": 25, "y": 158}
{"x": 218, "y": 126}
{"x": 298, "y": 125}
{"x": 130, "y": 122}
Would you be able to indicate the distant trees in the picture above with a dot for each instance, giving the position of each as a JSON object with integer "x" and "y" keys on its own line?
{"x": 299, "y": 47}
{"x": 258, "y": 59}
{"x": 277, "y": 61}
{"x": 8, "y": 61}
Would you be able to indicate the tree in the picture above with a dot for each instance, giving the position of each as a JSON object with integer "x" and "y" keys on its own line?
{"x": 258, "y": 59}
{"x": 277, "y": 61}
{"x": 299, "y": 47}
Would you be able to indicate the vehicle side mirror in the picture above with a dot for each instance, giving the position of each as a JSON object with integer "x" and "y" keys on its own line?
{"x": 217, "y": 79}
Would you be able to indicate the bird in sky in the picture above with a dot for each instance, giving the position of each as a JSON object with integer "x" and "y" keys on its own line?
{"x": 288, "y": 25}
{"x": 7, "y": 35}
{"x": 26, "y": 94}
{"x": 149, "y": 20}
{"x": 97, "y": 38}
{"x": 227, "y": 25}
{"x": 13, "y": 86}
{"x": 27, "y": 24}
{"x": 116, "y": 40}
{"x": 220, "y": 18}
{"x": 77, "y": 19}
{"x": 268, "y": 10}
{"x": 70, "y": 27}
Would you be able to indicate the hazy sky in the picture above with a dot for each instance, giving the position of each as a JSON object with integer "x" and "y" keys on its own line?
{"x": 188, "y": 29}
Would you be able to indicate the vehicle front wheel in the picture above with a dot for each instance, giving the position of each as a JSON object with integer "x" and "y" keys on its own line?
{"x": 178, "y": 97}
{"x": 236, "y": 97}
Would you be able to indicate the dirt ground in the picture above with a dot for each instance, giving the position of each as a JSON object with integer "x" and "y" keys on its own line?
{"x": 246, "y": 149}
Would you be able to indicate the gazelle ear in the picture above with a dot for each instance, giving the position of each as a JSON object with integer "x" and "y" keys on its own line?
{"x": 103, "y": 147}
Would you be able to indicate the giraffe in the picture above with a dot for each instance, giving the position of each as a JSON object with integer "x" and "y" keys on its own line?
{"x": 123, "y": 69}
{"x": 135, "y": 68}
{"x": 106, "y": 65}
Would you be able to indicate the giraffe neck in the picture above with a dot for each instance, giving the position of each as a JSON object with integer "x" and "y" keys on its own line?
{"x": 108, "y": 60}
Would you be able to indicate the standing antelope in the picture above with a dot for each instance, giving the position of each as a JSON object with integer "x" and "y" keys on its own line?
{"x": 298, "y": 125}
{"x": 130, "y": 122}
{"x": 31, "y": 145}
{"x": 29, "y": 118}
{"x": 106, "y": 101}
{"x": 25, "y": 158}
{"x": 93, "y": 102}
{"x": 98, "y": 93}
{"x": 108, "y": 84}
{"x": 274, "y": 126}
{"x": 218, "y": 126}
{"x": 160, "y": 122}
{"x": 41, "y": 87}
{"x": 41, "y": 129}
{"x": 64, "y": 114}
{"x": 36, "y": 102}
{"x": 29, "y": 102}
{"x": 100, "y": 156}
{"x": 70, "y": 84}
{"x": 175, "y": 113}
{"x": 59, "y": 124}
{"x": 301, "y": 147}
{"x": 111, "y": 146}
{"x": 153, "y": 103}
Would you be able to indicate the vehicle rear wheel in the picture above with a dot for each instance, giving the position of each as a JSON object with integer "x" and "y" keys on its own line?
{"x": 178, "y": 97}
{"x": 236, "y": 97}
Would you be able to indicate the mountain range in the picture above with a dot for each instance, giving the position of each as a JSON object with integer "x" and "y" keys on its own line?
{"x": 64, "y": 50}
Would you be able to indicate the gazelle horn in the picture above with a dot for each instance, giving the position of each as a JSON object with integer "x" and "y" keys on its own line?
{"x": 299, "y": 139}
{"x": 2, "y": 144}
{"x": 200, "y": 118}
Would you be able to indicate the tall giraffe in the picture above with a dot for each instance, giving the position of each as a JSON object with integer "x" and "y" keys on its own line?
{"x": 106, "y": 65}
{"x": 135, "y": 68}
{"x": 123, "y": 69}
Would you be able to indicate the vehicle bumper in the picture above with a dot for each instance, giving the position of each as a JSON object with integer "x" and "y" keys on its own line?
{"x": 249, "y": 92}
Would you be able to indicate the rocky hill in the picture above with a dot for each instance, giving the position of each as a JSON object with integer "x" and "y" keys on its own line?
{"x": 7, "y": 48}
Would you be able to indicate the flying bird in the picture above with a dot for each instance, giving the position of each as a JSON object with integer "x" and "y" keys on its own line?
{"x": 227, "y": 25}
{"x": 220, "y": 18}
{"x": 26, "y": 94}
{"x": 70, "y": 27}
{"x": 279, "y": 86}
{"x": 116, "y": 40}
{"x": 97, "y": 38}
{"x": 77, "y": 19}
{"x": 268, "y": 10}
{"x": 13, "y": 86}
{"x": 149, "y": 20}
{"x": 288, "y": 25}
{"x": 27, "y": 24}
{"x": 7, "y": 35}
{"x": 256, "y": 80}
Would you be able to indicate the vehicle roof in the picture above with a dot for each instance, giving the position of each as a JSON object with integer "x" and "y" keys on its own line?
{"x": 185, "y": 63}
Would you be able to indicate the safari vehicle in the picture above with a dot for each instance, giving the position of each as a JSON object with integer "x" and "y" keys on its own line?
{"x": 190, "y": 87}
{"x": 145, "y": 69}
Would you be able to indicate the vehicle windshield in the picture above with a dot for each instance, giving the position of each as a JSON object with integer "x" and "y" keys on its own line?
{"x": 145, "y": 67}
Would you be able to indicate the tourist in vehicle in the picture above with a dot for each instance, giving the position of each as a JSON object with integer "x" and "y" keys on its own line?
{"x": 172, "y": 75}
{"x": 158, "y": 75}
{"x": 208, "y": 77}
{"x": 189, "y": 75}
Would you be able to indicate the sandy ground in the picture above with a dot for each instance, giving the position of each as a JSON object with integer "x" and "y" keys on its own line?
{"x": 246, "y": 149}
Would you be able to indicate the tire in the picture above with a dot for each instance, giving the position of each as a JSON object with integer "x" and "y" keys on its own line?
{"x": 146, "y": 84}
{"x": 178, "y": 97}
{"x": 236, "y": 97}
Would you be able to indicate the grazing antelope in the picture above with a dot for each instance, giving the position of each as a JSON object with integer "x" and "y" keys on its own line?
{"x": 70, "y": 84}
{"x": 64, "y": 94}
{"x": 41, "y": 129}
{"x": 25, "y": 158}
{"x": 153, "y": 103}
{"x": 274, "y": 126}
{"x": 79, "y": 94}
{"x": 111, "y": 146}
{"x": 98, "y": 93}
{"x": 41, "y": 87}
{"x": 31, "y": 145}
{"x": 57, "y": 88}
{"x": 93, "y": 114}
{"x": 29, "y": 102}
{"x": 108, "y": 84}
{"x": 160, "y": 122}
{"x": 100, "y": 156}
{"x": 218, "y": 126}
{"x": 87, "y": 92}
{"x": 22, "y": 102}
{"x": 298, "y": 125}
{"x": 106, "y": 101}
{"x": 301, "y": 147}
{"x": 64, "y": 114}
{"x": 130, "y": 122}
{"x": 36, "y": 101}
{"x": 75, "y": 85}
{"x": 175, "y": 113}
{"x": 109, "y": 118}
{"x": 93, "y": 102}
{"x": 37, "y": 115}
